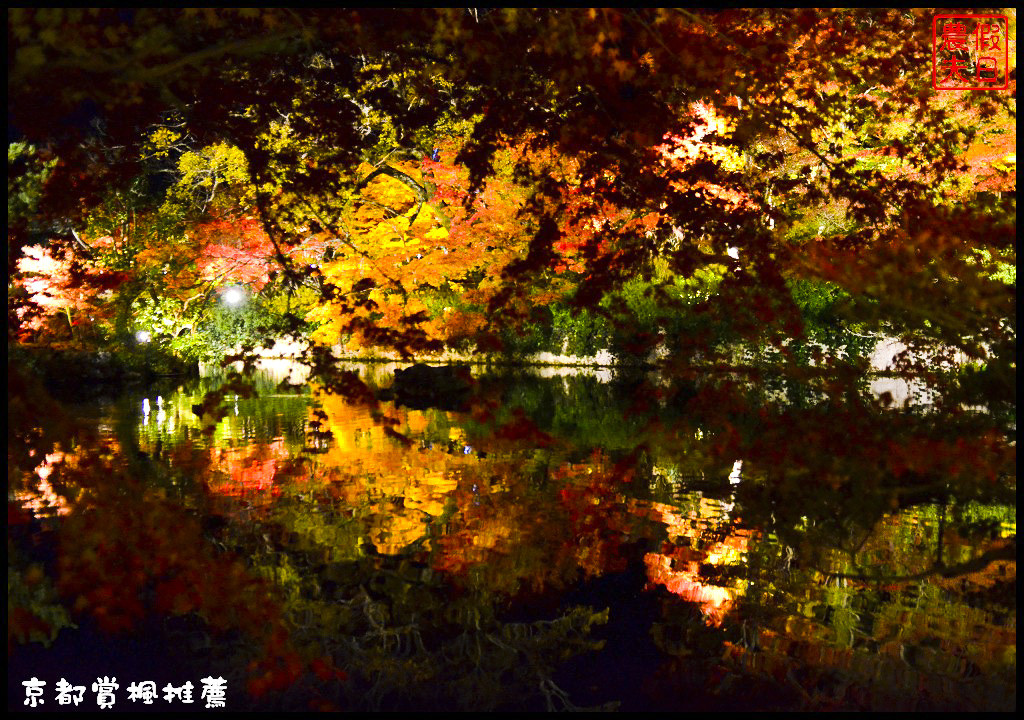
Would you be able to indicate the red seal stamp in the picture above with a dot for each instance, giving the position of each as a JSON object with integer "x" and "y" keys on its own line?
{"x": 970, "y": 52}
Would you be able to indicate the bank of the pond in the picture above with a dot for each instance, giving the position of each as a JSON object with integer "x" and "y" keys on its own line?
{"x": 76, "y": 371}
{"x": 71, "y": 371}
{"x": 880, "y": 358}
{"x": 284, "y": 349}
{"x": 899, "y": 391}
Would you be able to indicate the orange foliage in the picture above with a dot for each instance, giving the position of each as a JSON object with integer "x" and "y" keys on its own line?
{"x": 235, "y": 250}
{"x": 59, "y": 287}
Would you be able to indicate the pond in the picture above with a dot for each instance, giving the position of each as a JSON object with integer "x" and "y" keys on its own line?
{"x": 568, "y": 539}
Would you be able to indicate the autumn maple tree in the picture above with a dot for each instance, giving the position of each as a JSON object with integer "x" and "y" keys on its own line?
{"x": 672, "y": 158}
{"x": 50, "y": 287}
{"x": 234, "y": 250}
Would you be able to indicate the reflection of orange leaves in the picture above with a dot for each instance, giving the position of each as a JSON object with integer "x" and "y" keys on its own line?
{"x": 42, "y": 498}
{"x": 677, "y": 567}
{"x": 175, "y": 596}
{"x": 115, "y": 604}
{"x": 417, "y": 422}
{"x": 325, "y": 670}
{"x": 378, "y": 471}
{"x": 596, "y": 522}
{"x": 476, "y": 544}
{"x": 249, "y": 470}
{"x": 715, "y": 602}
{"x": 521, "y": 428}
{"x": 277, "y": 671}
{"x": 489, "y": 531}
{"x": 21, "y": 624}
{"x": 121, "y": 546}
{"x": 998, "y": 571}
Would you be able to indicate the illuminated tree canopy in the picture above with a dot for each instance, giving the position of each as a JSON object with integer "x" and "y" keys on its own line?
{"x": 816, "y": 164}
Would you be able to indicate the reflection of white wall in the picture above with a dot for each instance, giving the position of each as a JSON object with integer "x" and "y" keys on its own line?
{"x": 900, "y": 390}
{"x": 737, "y": 473}
{"x": 276, "y": 369}
{"x": 882, "y": 358}
{"x": 885, "y": 352}
{"x": 603, "y": 374}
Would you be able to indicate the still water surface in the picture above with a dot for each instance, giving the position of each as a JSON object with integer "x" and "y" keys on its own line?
{"x": 554, "y": 547}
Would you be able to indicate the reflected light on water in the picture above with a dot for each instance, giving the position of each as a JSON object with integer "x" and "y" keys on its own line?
{"x": 553, "y": 501}
{"x": 715, "y": 602}
{"x": 693, "y": 542}
{"x": 43, "y": 500}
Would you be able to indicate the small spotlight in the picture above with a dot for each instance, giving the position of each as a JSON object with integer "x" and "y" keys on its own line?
{"x": 234, "y": 296}
{"x": 143, "y": 336}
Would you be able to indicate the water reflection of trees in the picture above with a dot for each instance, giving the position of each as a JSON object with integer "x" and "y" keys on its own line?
{"x": 827, "y": 567}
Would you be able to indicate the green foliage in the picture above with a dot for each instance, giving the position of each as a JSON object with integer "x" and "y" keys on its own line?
{"x": 579, "y": 332}
{"x": 27, "y": 173}
{"x": 824, "y": 310}
{"x": 249, "y": 324}
{"x": 1003, "y": 272}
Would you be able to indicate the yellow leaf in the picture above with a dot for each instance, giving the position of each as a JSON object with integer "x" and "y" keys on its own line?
{"x": 436, "y": 234}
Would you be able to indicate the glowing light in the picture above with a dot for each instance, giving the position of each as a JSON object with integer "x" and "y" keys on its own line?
{"x": 143, "y": 336}
{"x": 234, "y": 296}
{"x": 737, "y": 473}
